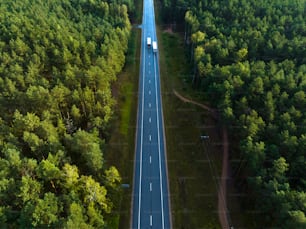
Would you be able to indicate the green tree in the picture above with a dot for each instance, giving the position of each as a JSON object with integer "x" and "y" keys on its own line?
{"x": 94, "y": 193}
{"x": 255, "y": 153}
{"x": 70, "y": 176}
{"x": 58, "y": 62}
{"x": 279, "y": 168}
{"x": 298, "y": 219}
{"x": 46, "y": 211}
{"x": 30, "y": 189}
{"x": 242, "y": 54}
{"x": 112, "y": 177}
{"x": 77, "y": 218}
{"x": 86, "y": 147}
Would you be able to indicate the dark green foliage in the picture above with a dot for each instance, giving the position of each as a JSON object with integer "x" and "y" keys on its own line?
{"x": 249, "y": 60}
{"x": 58, "y": 60}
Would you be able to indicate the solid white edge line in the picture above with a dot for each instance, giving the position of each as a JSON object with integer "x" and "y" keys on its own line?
{"x": 159, "y": 157}
{"x": 161, "y": 108}
{"x": 141, "y": 139}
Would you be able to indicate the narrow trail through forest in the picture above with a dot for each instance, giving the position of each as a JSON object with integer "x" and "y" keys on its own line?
{"x": 222, "y": 203}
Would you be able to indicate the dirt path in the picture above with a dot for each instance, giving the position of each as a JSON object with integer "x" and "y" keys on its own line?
{"x": 186, "y": 100}
{"x": 222, "y": 203}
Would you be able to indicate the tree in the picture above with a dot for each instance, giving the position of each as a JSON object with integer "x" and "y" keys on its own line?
{"x": 298, "y": 219}
{"x": 299, "y": 99}
{"x": 269, "y": 107}
{"x": 58, "y": 61}
{"x": 86, "y": 147}
{"x": 21, "y": 123}
{"x": 95, "y": 216}
{"x": 255, "y": 78}
{"x": 253, "y": 123}
{"x": 30, "y": 189}
{"x": 33, "y": 142}
{"x": 94, "y": 193}
{"x": 242, "y": 54}
{"x": 112, "y": 177}
{"x": 70, "y": 176}
{"x": 279, "y": 168}
{"x": 46, "y": 211}
{"x": 48, "y": 171}
{"x": 255, "y": 154}
{"x": 77, "y": 218}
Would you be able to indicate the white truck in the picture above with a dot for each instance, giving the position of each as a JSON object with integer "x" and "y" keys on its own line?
{"x": 149, "y": 42}
{"x": 154, "y": 44}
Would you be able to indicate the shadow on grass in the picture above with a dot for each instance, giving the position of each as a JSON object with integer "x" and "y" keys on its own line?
{"x": 194, "y": 165}
{"x": 121, "y": 146}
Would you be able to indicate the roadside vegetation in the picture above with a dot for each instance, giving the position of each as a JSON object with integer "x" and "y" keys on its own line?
{"x": 248, "y": 61}
{"x": 58, "y": 61}
{"x": 121, "y": 146}
{"x": 194, "y": 166}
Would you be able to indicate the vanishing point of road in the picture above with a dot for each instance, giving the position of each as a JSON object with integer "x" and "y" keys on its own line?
{"x": 151, "y": 204}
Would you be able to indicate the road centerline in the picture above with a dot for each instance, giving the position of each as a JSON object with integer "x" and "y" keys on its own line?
{"x": 150, "y": 143}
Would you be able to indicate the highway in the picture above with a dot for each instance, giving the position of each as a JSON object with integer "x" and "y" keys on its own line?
{"x": 150, "y": 201}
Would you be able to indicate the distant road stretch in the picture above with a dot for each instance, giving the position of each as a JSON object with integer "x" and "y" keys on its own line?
{"x": 150, "y": 191}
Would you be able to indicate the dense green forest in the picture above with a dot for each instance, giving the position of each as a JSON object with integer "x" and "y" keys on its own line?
{"x": 58, "y": 60}
{"x": 248, "y": 59}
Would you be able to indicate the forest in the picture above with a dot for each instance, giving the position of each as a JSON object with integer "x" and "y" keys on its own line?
{"x": 249, "y": 62}
{"x": 58, "y": 60}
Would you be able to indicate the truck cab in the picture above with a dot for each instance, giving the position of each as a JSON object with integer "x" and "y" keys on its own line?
{"x": 149, "y": 42}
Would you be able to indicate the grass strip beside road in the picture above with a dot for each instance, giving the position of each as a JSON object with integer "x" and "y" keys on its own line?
{"x": 121, "y": 147}
{"x": 194, "y": 165}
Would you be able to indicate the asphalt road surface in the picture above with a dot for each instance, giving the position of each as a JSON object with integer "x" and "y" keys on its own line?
{"x": 150, "y": 196}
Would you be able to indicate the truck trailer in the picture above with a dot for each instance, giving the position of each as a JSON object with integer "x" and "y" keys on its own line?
{"x": 154, "y": 46}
